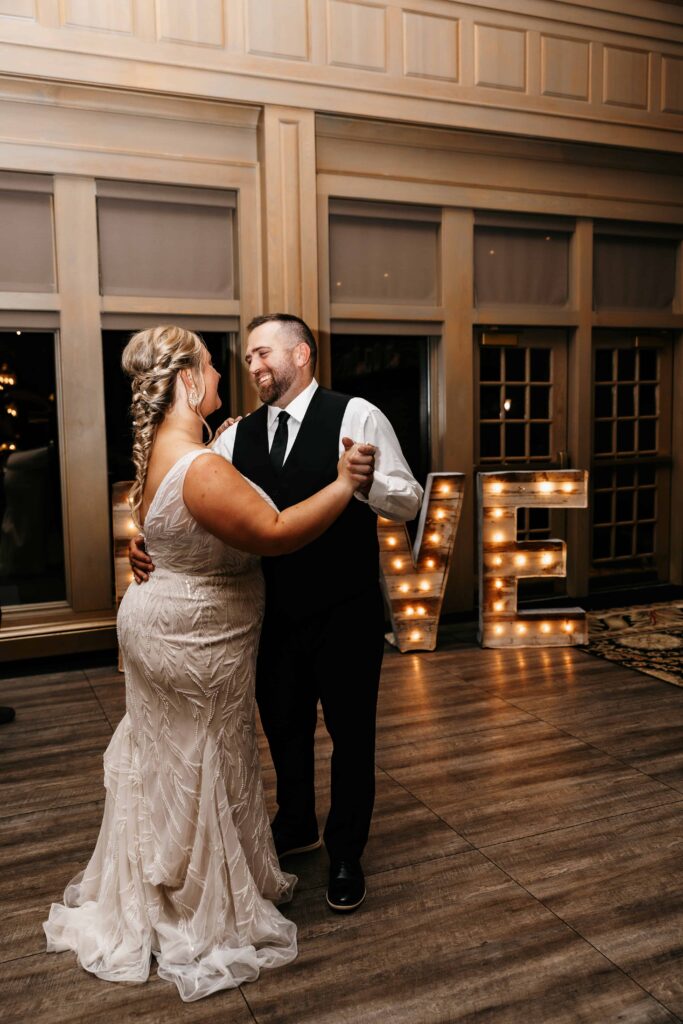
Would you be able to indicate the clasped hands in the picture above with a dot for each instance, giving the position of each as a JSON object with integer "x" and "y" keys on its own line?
{"x": 361, "y": 462}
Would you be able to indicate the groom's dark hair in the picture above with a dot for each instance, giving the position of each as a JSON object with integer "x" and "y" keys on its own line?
{"x": 296, "y": 329}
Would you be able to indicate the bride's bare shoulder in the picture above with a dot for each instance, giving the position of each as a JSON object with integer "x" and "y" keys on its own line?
{"x": 208, "y": 475}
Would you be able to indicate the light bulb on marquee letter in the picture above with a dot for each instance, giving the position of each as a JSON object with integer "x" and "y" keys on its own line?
{"x": 503, "y": 560}
{"x": 404, "y": 580}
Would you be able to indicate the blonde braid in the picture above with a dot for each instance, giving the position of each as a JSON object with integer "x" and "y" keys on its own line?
{"x": 153, "y": 359}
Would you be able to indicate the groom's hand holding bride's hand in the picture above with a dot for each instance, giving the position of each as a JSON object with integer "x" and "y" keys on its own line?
{"x": 358, "y": 461}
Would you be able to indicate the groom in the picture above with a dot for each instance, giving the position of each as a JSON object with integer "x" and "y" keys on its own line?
{"x": 323, "y": 631}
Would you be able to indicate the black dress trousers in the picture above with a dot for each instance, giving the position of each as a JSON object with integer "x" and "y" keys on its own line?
{"x": 334, "y": 657}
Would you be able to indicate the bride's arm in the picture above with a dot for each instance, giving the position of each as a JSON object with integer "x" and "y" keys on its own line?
{"x": 222, "y": 502}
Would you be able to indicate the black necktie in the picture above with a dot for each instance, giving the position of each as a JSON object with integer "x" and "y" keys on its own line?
{"x": 279, "y": 446}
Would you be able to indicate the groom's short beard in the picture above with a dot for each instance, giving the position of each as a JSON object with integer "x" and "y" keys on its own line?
{"x": 281, "y": 381}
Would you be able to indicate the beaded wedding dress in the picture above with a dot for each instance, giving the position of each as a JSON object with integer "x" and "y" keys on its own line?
{"x": 184, "y": 867}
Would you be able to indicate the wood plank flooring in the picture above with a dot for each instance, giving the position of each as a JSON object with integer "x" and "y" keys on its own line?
{"x": 525, "y": 864}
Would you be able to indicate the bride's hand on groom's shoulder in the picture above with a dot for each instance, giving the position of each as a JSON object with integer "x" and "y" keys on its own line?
{"x": 358, "y": 464}
{"x": 231, "y": 420}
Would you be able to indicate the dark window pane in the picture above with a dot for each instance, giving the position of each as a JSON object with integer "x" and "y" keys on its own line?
{"x": 516, "y": 397}
{"x": 392, "y": 374}
{"x": 540, "y": 364}
{"x": 603, "y": 478}
{"x": 602, "y": 538}
{"x": 626, "y": 364}
{"x": 603, "y": 400}
{"x": 515, "y": 364}
{"x": 646, "y": 503}
{"x": 647, "y": 399}
{"x": 514, "y": 440}
{"x": 647, "y": 435}
{"x": 489, "y": 363}
{"x": 539, "y": 403}
{"x": 489, "y": 435}
{"x": 646, "y": 476}
{"x": 31, "y": 538}
{"x": 647, "y": 360}
{"x": 490, "y": 402}
{"x": 604, "y": 364}
{"x": 625, "y": 436}
{"x": 539, "y": 519}
{"x": 602, "y": 507}
{"x": 623, "y": 541}
{"x": 603, "y": 438}
{"x": 645, "y": 538}
{"x": 522, "y": 520}
{"x": 539, "y": 440}
{"x": 625, "y": 476}
{"x": 624, "y": 506}
{"x": 626, "y": 400}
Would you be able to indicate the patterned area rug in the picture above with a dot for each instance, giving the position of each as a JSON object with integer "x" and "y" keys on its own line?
{"x": 646, "y": 637}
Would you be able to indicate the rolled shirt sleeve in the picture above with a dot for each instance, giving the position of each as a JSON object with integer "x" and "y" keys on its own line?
{"x": 395, "y": 493}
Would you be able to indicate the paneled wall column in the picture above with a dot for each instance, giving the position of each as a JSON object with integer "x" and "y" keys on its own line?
{"x": 455, "y": 395}
{"x": 579, "y": 402}
{"x": 287, "y": 154}
{"x": 82, "y": 395}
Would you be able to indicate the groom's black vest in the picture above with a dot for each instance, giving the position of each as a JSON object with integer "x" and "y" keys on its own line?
{"x": 344, "y": 562}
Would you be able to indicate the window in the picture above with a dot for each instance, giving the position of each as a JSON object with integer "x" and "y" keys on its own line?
{"x": 383, "y": 254}
{"x": 31, "y": 537}
{"x": 634, "y": 273}
{"x": 393, "y": 374}
{"x": 521, "y": 266}
{"x": 166, "y": 241}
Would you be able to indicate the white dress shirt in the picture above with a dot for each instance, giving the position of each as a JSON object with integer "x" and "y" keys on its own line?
{"x": 395, "y": 493}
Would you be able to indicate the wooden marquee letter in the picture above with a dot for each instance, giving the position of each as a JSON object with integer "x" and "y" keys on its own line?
{"x": 503, "y": 559}
{"x": 414, "y": 578}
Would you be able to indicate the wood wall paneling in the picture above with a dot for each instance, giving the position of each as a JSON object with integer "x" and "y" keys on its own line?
{"x": 101, "y": 15}
{"x": 191, "y": 21}
{"x": 289, "y": 211}
{"x": 625, "y": 77}
{"x": 17, "y": 8}
{"x": 356, "y": 35}
{"x": 672, "y": 84}
{"x": 500, "y": 57}
{"x": 276, "y": 29}
{"x": 430, "y": 46}
{"x": 565, "y": 67}
{"x": 84, "y": 465}
{"x": 535, "y": 52}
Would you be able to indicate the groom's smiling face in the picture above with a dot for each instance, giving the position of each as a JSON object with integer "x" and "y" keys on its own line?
{"x": 272, "y": 361}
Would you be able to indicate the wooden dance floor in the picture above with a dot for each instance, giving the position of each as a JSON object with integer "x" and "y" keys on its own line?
{"x": 525, "y": 864}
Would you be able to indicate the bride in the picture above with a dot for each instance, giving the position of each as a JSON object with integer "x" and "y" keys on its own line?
{"x": 184, "y": 867}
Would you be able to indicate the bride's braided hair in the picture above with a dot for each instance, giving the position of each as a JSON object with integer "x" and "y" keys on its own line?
{"x": 153, "y": 359}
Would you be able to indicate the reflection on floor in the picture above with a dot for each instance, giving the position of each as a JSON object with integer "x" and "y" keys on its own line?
{"x": 525, "y": 863}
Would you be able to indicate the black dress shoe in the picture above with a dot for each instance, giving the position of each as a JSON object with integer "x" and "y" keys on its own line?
{"x": 346, "y": 890}
{"x": 288, "y": 843}
{"x": 6, "y": 715}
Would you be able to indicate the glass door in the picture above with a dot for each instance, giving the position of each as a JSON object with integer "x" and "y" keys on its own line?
{"x": 521, "y": 419}
{"x": 392, "y": 372}
{"x": 32, "y": 569}
{"x": 631, "y": 466}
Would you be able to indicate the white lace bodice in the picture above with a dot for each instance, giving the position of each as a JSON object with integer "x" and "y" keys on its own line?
{"x": 175, "y": 541}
